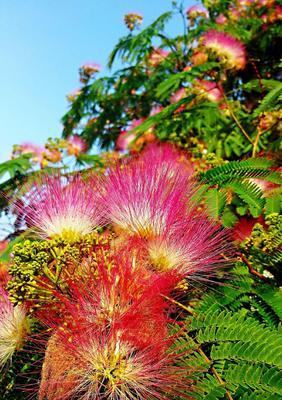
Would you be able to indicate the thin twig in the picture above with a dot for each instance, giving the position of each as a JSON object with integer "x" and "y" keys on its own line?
{"x": 238, "y": 123}
{"x": 186, "y": 308}
{"x": 256, "y": 142}
{"x": 252, "y": 270}
{"x": 216, "y": 374}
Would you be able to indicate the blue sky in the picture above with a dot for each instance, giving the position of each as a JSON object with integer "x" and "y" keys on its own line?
{"x": 42, "y": 45}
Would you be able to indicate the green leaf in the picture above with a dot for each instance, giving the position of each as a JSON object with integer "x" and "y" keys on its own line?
{"x": 215, "y": 202}
{"x": 273, "y": 204}
{"x": 89, "y": 159}
{"x": 16, "y": 165}
{"x": 270, "y": 101}
{"x": 251, "y": 194}
{"x": 258, "y": 168}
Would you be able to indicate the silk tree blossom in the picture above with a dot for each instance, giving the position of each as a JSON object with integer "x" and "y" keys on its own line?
{"x": 142, "y": 196}
{"x": 196, "y": 11}
{"x": 167, "y": 156}
{"x": 56, "y": 207}
{"x": 243, "y": 228}
{"x": 224, "y": 46}
{"x": 178, "y": 95}
{"x": 221, "y": 19}
{"x": 133, "y": 20}
{"x": 126, "y": 137}
{"x": 157, "y": 56}
{"x": 124, "y": 140}
{"x": 87, "y": 70}
{"x": 156, "y": 109}
{"x": 199, "y": 58}
{"x": 208, "y": 90}
{"x": 14, "y": 327}
{"x": 192, "y": 249}
{"x": 72, "y": 96}
{"x": 76, "y": 145}
{"x": 125, "y": 295}
{"x": 30, "y": 148}
{"x": 109, "y": 366}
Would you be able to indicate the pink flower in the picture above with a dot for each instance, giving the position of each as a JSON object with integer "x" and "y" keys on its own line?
{"x": 52, "y": 155}
{"x": 91, "y": 67}
{"x": 157, "y": 56}
{"x": 265, "y": 3}
{"x": 124, "y": 139}
{"x": 76, "y": 145}
{"x": 234, "y": 14}
{"x": 221, "y": 19}
{"x": 228, "y": 49}
{"x": 168, "y": 156}
{"x": 30, "y": 148}
{"x": 56, "y": 207}
{"x": 3, "y": 245}
{"x": 197, "y": 11}
{"x": 199, "y": 58}
{"x": 13, "y": 327}
{"x": 155, "y": 110}
{"x": 178, "y": 95}
{"x": 208, "y": 90}
{"x": 278, "y": 13}
{"x": 110, "y": 365}
{"x": 71, "y": 97}
{"x": 192, "y": 248}
{"x": 88, "y": 70}
{"x": 142, "y": 196}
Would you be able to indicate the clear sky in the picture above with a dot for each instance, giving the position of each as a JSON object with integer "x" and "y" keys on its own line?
{"x": 42, "y": 45}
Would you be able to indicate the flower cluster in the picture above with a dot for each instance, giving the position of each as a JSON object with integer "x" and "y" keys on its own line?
{"x": 14, "y": 327}
{"x": 53, "y": 152}
{"x": 195, "y": 12}
{"x": 88, "y": 70}
{"x": 133, "y": 20}
{"x": 111, "y": 252}
{"x": 208, "y": 90}
{"x": 229, "y": 50}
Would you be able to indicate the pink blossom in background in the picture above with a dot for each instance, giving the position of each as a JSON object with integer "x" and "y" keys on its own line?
{"x": 76, "y": 145}
{"x": 123, "y": 141}
{"x": 87, "y": 70}
{"x": 91, "y": 67}
{"x": 197, "y": 11}
{"x": 221, "y": 19}
{"x": 229, "y": 50}
{"x": 72, "y": 96}
{"x": 243, "y": 228}
{"x": 179, "y": 95}
{"x": 13, "y": 327}
{"x": 209, "y": 90}
{"x": 199, "y": 58}
{"x": 157, "y": 56}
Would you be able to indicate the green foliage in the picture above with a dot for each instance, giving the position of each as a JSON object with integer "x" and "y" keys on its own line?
{"x": 16, "y": 166}
{"x": 235, "y": 178}
{"x": 271, "y": 101}
{"x": 234, "y": 341}
{"x": 232, "y": 337}
{"x": 21, "y": 377}
{"x": 263, "y": 247}
{"x": 133, "y": 48}
{"x": 33, "y": 260}
{"x": 256, "y": 168}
